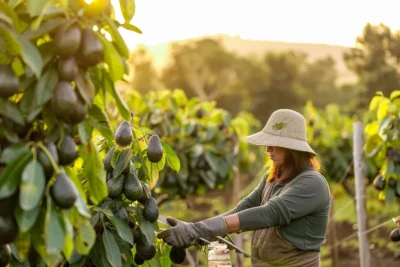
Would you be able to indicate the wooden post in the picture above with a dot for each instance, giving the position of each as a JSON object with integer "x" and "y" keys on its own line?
{"x": 358, "y": 145}
{"x": 218, "y": 255}
{"x": 235, "y": 200}
{"x": 332, "y": 236}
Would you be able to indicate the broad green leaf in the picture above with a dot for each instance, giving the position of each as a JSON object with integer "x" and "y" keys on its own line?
{"x": 23, "y": 245}
{"x": 85, "y": 131}
{"x": 95, "y": 174}
{"x": 389, "y": 168}
{"x": 85, "y": 87}
{"x": 11, "y": 43}
{"x": 99, "y": 120}
{"x": 148, "y": 229}
{"x": 98, "y": 254}
{"x": 11, "y": 175}
{"x": 131, "y": 27}
{"x": 9, "y": 12}
{"x": 112, "y": 58}
{"x": 46, "y": 27}
{"x": 123, "y": 160}
{"x": 85, "y": 237}
{"x": 123, "y": 229}
{"x": 389, "y": 194}
{"x": 26, "y": 219}
{"x": 11, "y": 111}
{"x": 383, "y": 108}
{"x": 394, "y": 95}
{"x": 119, "y": 101}
{"x": 373, "y": 145}
{"x": 372, "y": 128}
{"x": 117, "y": 39}
{"x": 112, "y": 250}
{"x": 35, "y": 7}
{"x": 128, "y": 9}
{"x": 54, "y": 228}
{"x": 68, "y": 248}
{"x": 172, "y": 159}
{"x": 80, "y": 203}
{"x": 9, "y": 154}
{"x": 31, "y": 56}
{"x": 32, "y": 185}
{"x": 153, "y": 173}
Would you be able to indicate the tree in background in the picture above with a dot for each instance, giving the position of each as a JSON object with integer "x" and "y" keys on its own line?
{"x": 375, "y": 60}
{"x": 144, "y": 76}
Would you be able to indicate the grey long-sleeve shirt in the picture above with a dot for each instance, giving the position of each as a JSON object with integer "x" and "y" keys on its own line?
{"x": 300, "y": 212}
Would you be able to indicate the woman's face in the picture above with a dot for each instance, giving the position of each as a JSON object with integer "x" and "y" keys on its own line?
{"x": 277, "y": 154}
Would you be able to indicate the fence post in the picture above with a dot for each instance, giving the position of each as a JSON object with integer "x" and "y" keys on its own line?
{"x": 332, "y": 236}
{"x": 358, "y": 145}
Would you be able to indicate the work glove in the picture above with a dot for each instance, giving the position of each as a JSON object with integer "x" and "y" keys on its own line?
{"x": 184, "y": 234}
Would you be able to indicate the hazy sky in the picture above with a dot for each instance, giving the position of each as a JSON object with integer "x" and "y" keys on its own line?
{"x": 316, "y": 21}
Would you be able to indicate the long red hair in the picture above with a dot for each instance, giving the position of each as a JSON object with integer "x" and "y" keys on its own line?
{"x": 294, "y": 163}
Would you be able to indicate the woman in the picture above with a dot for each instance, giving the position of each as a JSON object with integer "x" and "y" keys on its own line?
{"x": 288, "y": 211}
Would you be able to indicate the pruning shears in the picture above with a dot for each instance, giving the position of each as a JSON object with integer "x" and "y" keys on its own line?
{"x": 229, "y": 244}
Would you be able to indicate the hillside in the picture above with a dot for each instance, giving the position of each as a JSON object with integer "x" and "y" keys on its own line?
{"x": 241, "y": 46}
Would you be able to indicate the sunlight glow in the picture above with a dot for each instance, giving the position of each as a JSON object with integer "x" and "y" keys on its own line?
{"x": 89, "y": 1}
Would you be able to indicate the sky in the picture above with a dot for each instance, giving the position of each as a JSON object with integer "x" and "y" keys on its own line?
{"x": 311, "y": 21}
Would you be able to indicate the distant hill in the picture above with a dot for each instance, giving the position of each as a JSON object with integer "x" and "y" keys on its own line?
{"x": 241, "y": 46}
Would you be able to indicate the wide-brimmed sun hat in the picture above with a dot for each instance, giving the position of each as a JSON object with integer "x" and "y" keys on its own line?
{"x": 285, "y": 128}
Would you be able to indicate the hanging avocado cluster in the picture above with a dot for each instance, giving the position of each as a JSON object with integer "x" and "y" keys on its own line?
{"x": 77, "y": 50}
{"x": 125, "y": 188}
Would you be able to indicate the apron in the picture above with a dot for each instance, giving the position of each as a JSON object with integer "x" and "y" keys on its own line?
{"x": 273, "y": 250}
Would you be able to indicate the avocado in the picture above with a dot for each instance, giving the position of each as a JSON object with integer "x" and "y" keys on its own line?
{"x": 67, "y": 68}
{"x": 154, "y": 150}
{"x": 5, "y": 255}
{"x": 133, "y": 189}
{"x": 107, "y": 160}
{"x": 9, "y": 82}
{"x": 200, "y": 113}
{"x": 64, "y": 100}
{"x": 395, "y": 235}
{"x": 145, "y": 195}
{"x": 45, "y": 161}
{"x": 63, "y": 191}
{"x": 138, "y": 260}
{"x": 20, "y": 130}
{"x": 392, "y": 183}
{"x": 80, "y": 112}
{"x": 150, "y": 211}
{"x": 379, "y": 182}
{"x": 91, "y": 50}
{"x": 67, "y": 152}
{"x": 67, "y": 40}
{"x": 145, "y": 250}
{"x": 116, "y": 186}
{"x": 177, "y": 255}
{"x": 8, "y": 230}
{"x": 123, "y": 135}
{"x": 122, "y": 214}
{"x": 7, "y": 204}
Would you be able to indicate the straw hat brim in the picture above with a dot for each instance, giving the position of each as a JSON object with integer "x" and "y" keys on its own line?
{"x": 265, "y": 139}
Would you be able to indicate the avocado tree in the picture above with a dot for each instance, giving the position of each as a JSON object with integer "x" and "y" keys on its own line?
{"x": 59, "y": 61}
{"x": 207, "y": 140}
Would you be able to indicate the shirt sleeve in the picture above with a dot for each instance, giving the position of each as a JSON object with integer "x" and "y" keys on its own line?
{"x": 252, "y": 200}
{"x": 305, "y": 196}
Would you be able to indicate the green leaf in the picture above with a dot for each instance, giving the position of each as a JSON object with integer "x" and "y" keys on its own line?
{"x": 26, "y": 219}
{"x": 9, "y": 12}
{"x": 11, "y": 110}
{"x": 68, "y": 248}
{"x": 54, "y": 228}
{"x": 123, "y": 160}
{"x": 131, "y": 27}
{"x": 114, "y": 61}
{"x": 148, "y": 230}
{"x": 13, "y": 152}
{"x": 128, "y": 9}
{"x": 85, "y": 87}
{"x": 172, "y": 158}
{"x": 23, "y": 245}
{"x": 95, "y": 174}
{"x": 98, "y": 120}
{"x": 123, "y": 229}
{"x": 32, "y": 185}
{"x": 31, "y": 56}
{"x": 153, "y": 173}
{"x": 98, "y": 254}
{"x": 117, "y": 38}
{"x": 389, "y": 194}
{"x": 119, "y": 101}
{"x": 46, "y": 27}
{"x": 11, "y": 175}
{"x": 10, "y": 42}
{"x": 112, "y": 250}
{"x": 35, "y": 7}
{"x": 85, "y": 237}
{"x": 80, "y": 203}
